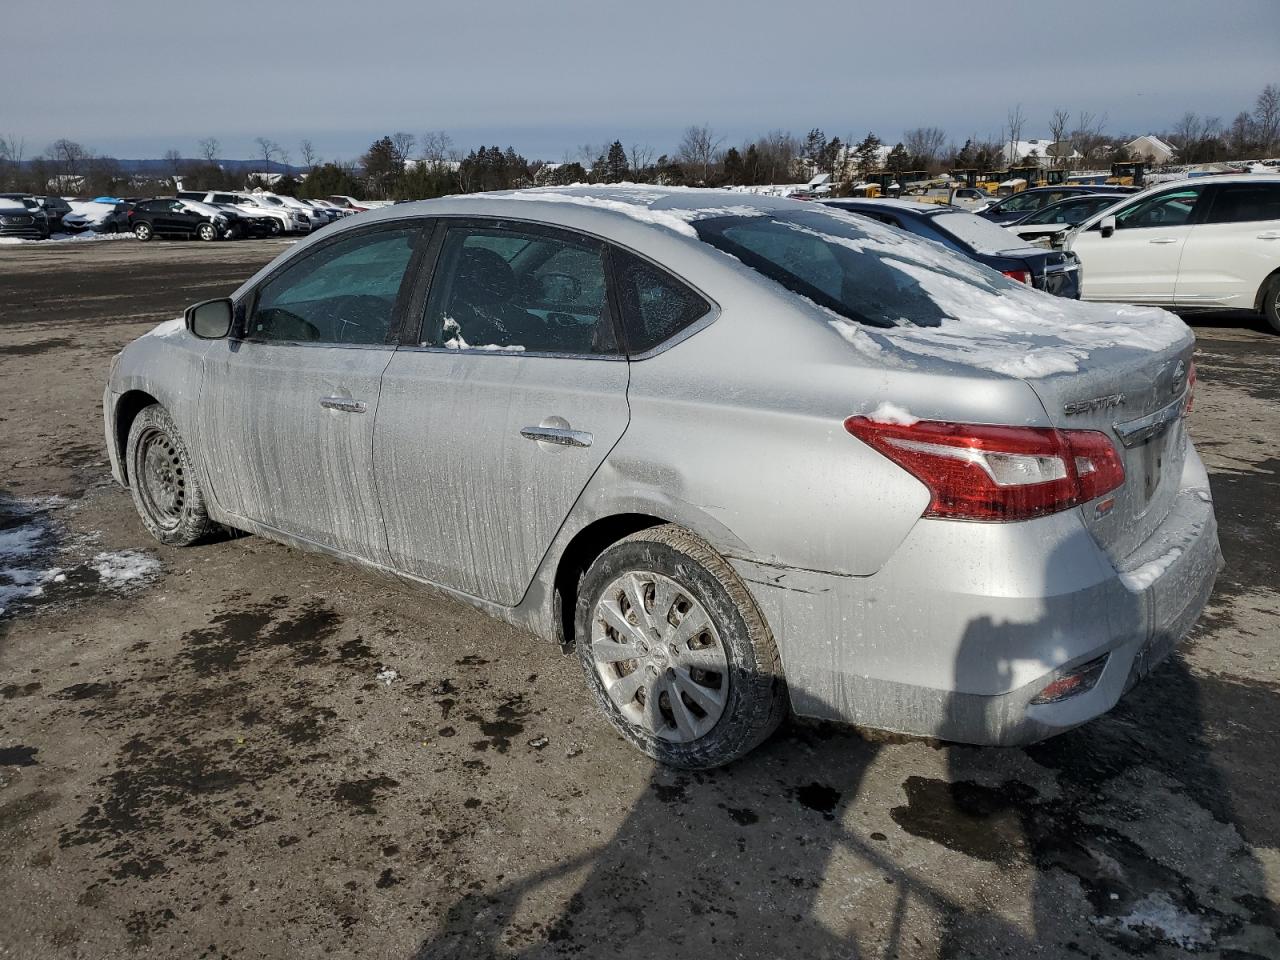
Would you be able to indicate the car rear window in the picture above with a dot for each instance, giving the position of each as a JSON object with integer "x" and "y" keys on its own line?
{"x": 865, "y": 274}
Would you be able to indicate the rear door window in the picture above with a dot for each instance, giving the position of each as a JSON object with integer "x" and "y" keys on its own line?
{"x": 1245, "y": 202}
{"x": 507, "y": 289}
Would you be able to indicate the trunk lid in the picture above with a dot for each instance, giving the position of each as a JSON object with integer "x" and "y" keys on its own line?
{"x": 1138, "y": 399}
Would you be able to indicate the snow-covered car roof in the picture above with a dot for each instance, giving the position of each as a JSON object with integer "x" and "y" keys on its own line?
{"x": 208, "y": 209}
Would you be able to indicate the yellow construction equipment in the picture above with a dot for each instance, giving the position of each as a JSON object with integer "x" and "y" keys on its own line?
{"x": 1127, "y": 174}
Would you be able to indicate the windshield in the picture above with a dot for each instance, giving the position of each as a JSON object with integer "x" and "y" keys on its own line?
{"x": 974, "y": 231}
{"x": 869, "y": 274}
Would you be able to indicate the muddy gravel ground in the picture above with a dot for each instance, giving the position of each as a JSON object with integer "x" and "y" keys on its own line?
{"x": 241, "y": 750}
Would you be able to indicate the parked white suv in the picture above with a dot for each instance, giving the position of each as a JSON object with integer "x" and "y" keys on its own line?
{"x": 1208, "y": 242}
{"x": 297, "y": 218}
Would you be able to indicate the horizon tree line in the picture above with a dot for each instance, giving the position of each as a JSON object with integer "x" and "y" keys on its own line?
{"x": 402, "y": 165}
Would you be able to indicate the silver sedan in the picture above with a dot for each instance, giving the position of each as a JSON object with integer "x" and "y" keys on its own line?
{"x": 747, "y": 456}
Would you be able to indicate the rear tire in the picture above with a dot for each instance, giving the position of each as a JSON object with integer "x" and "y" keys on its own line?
{"x": 166, "y": 492}
{"x": 1271, "y": 304}
{"x": 143, "y": 231}
{"x": 207, "y": 232}
{"x": 697, "y": 637}
{"x": 276, "y": 228}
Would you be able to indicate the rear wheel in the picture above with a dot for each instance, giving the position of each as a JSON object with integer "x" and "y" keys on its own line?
{"x": 165, "y": 490}
{"x": 207, "y": 232}
{"x": 675, "y": 653}
{"x": 1271, "y": 304}
{"x": 143, "y": 231}
{"x": 276, "y": 228}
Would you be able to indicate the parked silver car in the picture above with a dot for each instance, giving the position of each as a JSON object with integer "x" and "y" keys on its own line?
{"x": 746, "y": 455}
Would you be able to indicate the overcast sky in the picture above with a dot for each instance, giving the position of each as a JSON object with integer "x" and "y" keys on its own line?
{"x": 133, "y": 78}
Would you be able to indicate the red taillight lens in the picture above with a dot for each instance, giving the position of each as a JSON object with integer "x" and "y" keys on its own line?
{"x": 1191, "y": 387}
{"x": 1022, "y": 276}
{"x": 985, "y": 472}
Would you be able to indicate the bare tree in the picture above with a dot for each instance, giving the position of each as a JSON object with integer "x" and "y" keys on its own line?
{"x": 267, "y": 149}
{"x": 209, "y": 149}
{"x": 1241, "y": 138}
{"x": 925, "y": 145}
{"x": 310, "y": 158}
{"x": 1013, "y": 124}
{"x": 69, "y": 156}
{"x": 640, "y": 159}
{"x": 1058, "y": 124}
{"x": 402, "y": 145}
{"x": 173, "y": 160}
{"x": 1266, "y": 117}
{"x": 437, "y": 147}
{"x": 1088, "y": 136}
{"x": 698, "y": 147}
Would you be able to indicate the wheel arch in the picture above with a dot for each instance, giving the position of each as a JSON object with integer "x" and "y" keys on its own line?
{"x": 1263, "y": 287}
{"x": 578, "y": 555}
{"x": 130, "y": 404}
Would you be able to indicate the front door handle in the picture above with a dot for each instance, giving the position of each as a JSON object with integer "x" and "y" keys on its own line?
{"x": 345, "y": 404}
{"x": 562, "y": 436}
{"x": 1164, "y": 240}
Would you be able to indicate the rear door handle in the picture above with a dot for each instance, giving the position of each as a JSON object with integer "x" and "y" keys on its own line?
{"x": 1164, "y": 240}
{"x": 562, "y": 436}
{"x": 345, "y": 404}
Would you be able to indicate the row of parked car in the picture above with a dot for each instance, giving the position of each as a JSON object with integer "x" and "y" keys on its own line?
{"x": 1206, "y": 243}
{"x": 207, "y": 215}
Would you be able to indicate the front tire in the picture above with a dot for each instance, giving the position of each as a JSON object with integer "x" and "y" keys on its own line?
{"x": 675, "y": 653}
{"x": 276, "y": 228}
{"x": 1271, "y": 304}
{"x": 166, "y": 492}
{"x": 143, "y": 231}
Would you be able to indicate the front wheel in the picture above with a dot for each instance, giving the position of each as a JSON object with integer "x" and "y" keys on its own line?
{"x": 276, "y": 228}
{"x": 207, "y": 232}
{"x": 1271, "y": 304}
{"x": 143, "y": 231}
{"x": 675, "y": 653}
{"x": 165, "y": 490}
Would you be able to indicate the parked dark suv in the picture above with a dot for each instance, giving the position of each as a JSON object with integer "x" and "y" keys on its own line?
{"x": 1054, "y": 271}
{"x": 170, "y": 217}
{"x": 1018, "y": 205}
{"x": 39, "y": 219}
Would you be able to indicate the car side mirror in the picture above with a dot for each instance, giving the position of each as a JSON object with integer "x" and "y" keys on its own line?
{"x": 210, "y": 320}
{"x": 1107, "y": 226}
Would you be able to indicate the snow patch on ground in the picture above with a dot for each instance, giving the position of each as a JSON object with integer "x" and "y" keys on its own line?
{"x": 124, "y": 567}
{"x": 24, "y": 545}
{"x": 387, "y": 676}
{"x": 1142, "y": 577}
{"x": 1157, "y": 916}
{"x": 71, "y": 238}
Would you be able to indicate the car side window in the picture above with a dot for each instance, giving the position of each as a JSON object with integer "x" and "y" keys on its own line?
{"x": 1172, "y": 209}
{"x": 512, "y": 290}
{"x": 1245, "y": 202}
{"x": 655, "y": 305}
{"x": 343, "y": 292}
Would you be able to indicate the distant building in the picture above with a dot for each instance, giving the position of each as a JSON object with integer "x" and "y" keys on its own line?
{"x": 1045, "y": 152}
{"x": 1152, "y": 149}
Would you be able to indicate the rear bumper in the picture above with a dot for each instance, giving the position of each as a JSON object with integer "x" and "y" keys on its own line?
{"x": 968, "y": 622}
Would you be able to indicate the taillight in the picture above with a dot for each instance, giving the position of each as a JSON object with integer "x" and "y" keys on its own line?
{"x": 1191, "y": 387}
{"x": 984, "y": 472}
{"x": 1022, "y": 276}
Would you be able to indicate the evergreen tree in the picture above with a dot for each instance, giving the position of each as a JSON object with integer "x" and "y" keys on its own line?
{"x": 615, "y": 163}
{"x": 815, "y": 145}
{"x": 381, "y": 166}
{"x": 898, "y": 159}
{"x": 867, "y": 155}
{"x": 733, "y": 166}
{"x": 751, "y": 171}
